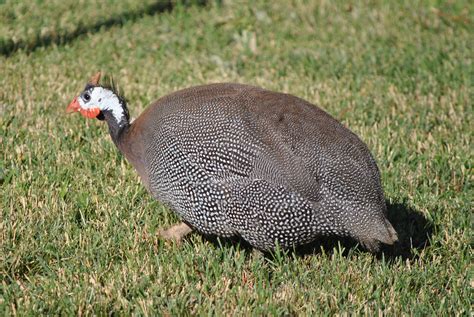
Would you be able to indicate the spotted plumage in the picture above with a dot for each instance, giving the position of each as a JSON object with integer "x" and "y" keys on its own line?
{"x": 237, "y": 160}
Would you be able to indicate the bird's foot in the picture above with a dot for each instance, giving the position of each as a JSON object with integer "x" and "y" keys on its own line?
{"x": 175, "y": 233}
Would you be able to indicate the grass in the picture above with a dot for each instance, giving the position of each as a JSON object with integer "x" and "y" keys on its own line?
{"x": 78, "y": 230}
{"x": 29, "y": 25}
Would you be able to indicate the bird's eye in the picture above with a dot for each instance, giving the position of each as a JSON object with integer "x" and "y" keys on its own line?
{"x": 86, "y": 97}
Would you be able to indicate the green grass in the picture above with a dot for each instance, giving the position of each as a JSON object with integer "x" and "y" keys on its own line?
{"x": 78, "y": 230}
{"x": 29, "y": 24}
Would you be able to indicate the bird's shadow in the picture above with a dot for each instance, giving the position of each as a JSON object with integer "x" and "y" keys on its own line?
{"x": 413, "y": 228}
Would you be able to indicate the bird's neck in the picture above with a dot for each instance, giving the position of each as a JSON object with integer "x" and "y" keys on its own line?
{"x": 128, "y": 139}
{"x": 117, "y": 129}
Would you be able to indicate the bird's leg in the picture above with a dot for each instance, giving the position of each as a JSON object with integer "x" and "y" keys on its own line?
{"x": 175, "y": 233}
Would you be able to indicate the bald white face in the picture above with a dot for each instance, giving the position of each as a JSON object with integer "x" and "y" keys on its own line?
{"x": 102, "y": 99}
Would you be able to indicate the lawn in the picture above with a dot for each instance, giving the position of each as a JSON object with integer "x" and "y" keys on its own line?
{"x": 78, "y": 232}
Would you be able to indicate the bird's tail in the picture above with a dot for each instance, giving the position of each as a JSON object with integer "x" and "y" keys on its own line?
{"x": 387, "y": 235}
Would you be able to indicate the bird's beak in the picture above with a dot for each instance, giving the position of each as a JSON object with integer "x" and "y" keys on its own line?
{"x": 73, "y": 106}
{"x": 88, "y": 113}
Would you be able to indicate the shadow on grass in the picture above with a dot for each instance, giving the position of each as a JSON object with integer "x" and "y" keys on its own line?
{"x": 414, "y": 230}
{"x": 8, "y": 46}
{"x": 414, "y": 233}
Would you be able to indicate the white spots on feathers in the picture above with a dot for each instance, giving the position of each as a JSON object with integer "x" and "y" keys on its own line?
{"x": 236, "y": 160}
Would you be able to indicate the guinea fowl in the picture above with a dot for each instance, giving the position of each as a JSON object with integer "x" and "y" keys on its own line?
{"x": 237, "y": 160}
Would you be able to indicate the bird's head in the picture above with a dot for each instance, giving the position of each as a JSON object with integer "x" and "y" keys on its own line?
{"x": 100, "y": 101}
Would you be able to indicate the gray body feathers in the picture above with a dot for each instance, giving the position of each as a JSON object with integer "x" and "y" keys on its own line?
{"x": 237, "y": 160}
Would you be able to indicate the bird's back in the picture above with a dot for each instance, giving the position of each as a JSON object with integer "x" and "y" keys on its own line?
{"x": 219, "y": 151}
